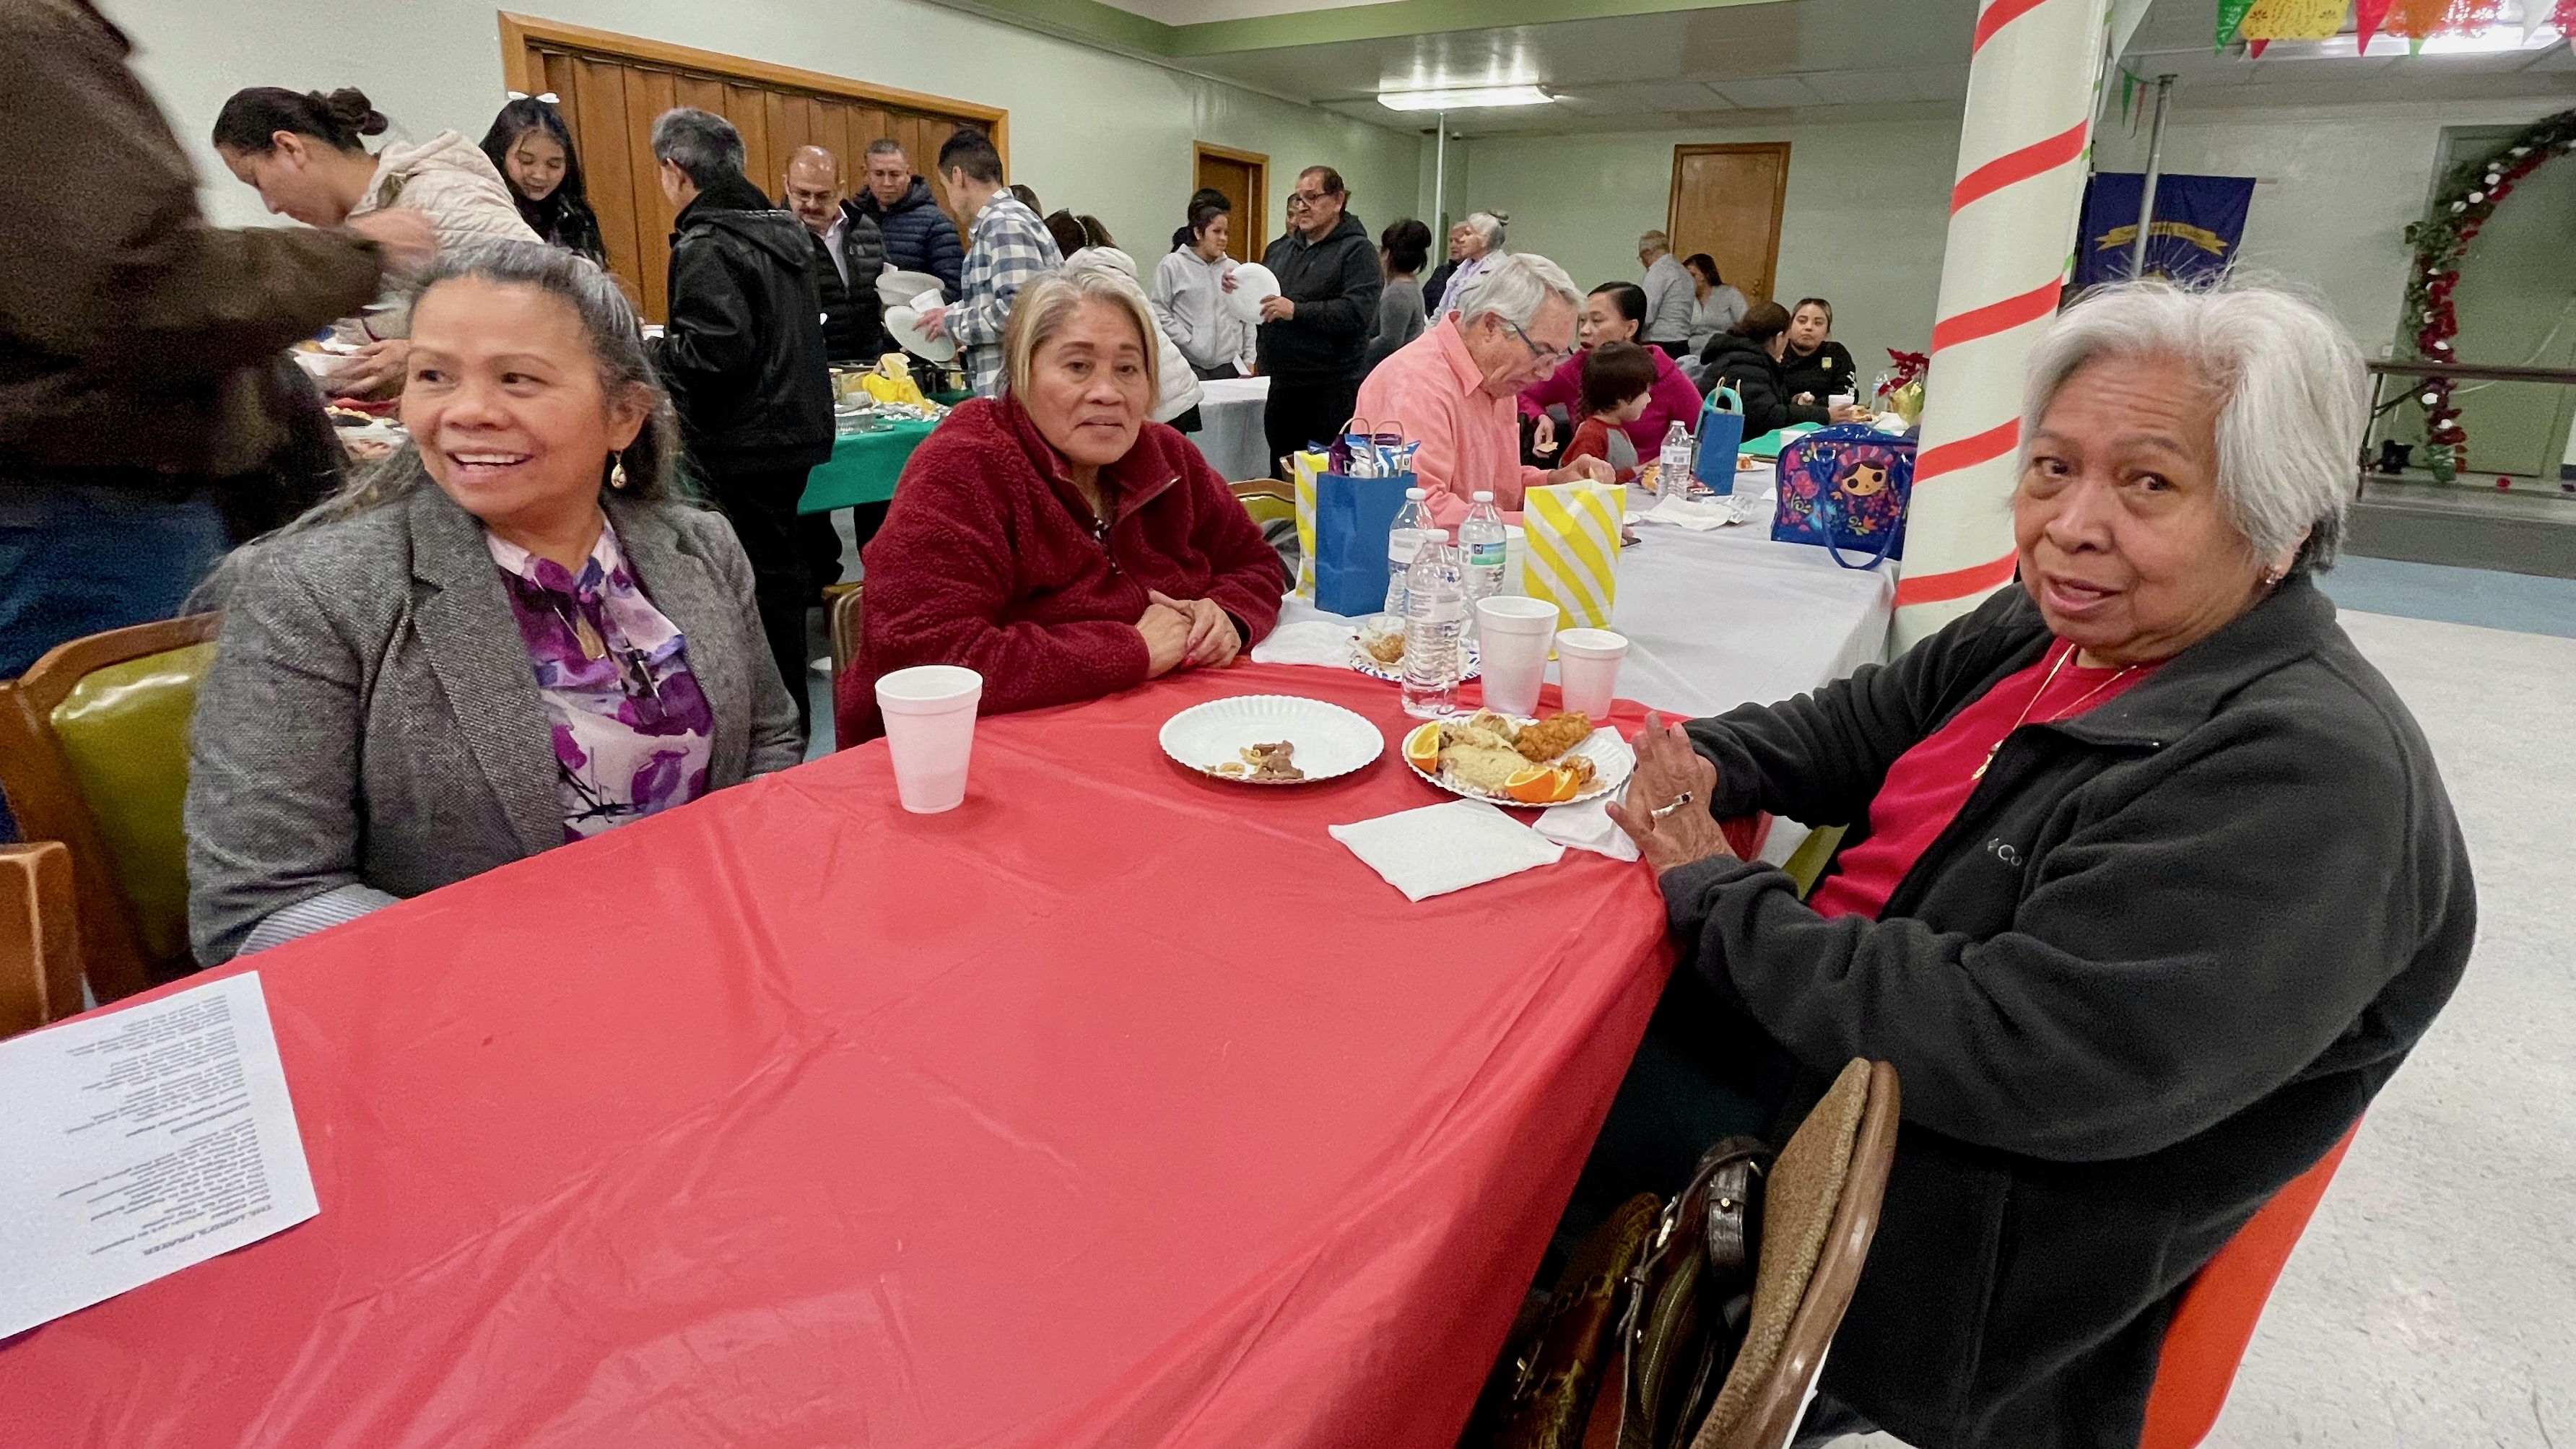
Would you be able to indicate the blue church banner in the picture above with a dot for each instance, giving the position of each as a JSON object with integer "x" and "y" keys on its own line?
{"x": 2199, "y": 221}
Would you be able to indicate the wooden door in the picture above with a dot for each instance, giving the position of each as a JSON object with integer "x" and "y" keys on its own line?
{"x": 1244, "y": 177}
{"x": 1726, "y": 202}
{"x": 611, "y": 87}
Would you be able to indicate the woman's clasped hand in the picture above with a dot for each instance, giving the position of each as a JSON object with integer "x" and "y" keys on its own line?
{"x": 1665, "y": 809}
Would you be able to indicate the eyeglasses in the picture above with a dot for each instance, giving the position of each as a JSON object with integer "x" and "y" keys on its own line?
{"x": 1556, "y": 358}
{"x": 1306, "y": 200}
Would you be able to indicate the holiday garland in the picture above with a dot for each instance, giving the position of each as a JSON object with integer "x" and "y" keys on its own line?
{"x": 2460, "y": 210}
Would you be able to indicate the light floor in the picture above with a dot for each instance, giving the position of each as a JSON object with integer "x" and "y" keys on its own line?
{"x": 2433, "y": 1300}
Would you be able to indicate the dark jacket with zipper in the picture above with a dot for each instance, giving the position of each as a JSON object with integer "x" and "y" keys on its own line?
{"x": 2162, "y": 959}
{"x": 853, "y": 313}
{"x": 743, "y": 352}
{"x": 1749, "y": 368}
{"x": 1824, "y": 372}
{"x": 919, "y": 237}
{"x": 1335, "y": 284}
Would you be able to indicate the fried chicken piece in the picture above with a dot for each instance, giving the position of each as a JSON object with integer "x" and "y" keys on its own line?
{"x": 1384, "y": 648}
{"x": 1553, "y": 736}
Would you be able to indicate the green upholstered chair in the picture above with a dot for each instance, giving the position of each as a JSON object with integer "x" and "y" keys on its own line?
{"x": 39, "y": 940}
{"x": 1806, "y": 864}
{"x": 94, "y": 753}
{"x": 1266, "y": 501}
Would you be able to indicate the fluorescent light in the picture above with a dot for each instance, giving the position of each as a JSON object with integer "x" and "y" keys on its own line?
{"x": 2492, "y": 40}
{"x": 1463, "y": 99}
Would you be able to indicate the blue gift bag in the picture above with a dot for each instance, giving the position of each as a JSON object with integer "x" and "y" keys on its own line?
{"x": 1846, "y": 487}
{"x": 1352, "y": 518}
{"x": 1721, "y": 432}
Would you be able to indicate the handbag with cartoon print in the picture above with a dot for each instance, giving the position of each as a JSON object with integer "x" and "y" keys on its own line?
{"x": 1845, "y": 488}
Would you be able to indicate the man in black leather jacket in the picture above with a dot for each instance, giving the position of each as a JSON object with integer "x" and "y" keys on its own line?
{"x": 743, "y": 358}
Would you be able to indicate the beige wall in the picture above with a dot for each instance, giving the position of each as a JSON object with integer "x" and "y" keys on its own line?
{"x": 1090, "y": 130}
{"x": 1863, "y": 223}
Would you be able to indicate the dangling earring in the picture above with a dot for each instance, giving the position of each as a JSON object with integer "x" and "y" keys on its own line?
{"x": 617, "y": 470}
{"x": 2272, "y": 579}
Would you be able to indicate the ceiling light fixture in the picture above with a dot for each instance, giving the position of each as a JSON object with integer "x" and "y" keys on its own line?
{"x": 1463, "y": 99}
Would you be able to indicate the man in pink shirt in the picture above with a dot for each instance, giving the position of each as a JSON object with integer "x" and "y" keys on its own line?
{"x": 1454, "y": 387}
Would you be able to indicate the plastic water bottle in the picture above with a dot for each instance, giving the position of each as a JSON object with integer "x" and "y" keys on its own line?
{"x": 1435, "y": 617}
{"x": 1481, "y": 547}
{"x": 1673, "y": 463}
{"x": 1402, "y": 539}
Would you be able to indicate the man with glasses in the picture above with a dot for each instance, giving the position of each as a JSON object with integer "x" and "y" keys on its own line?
{"x": 1454, "y": 388}
{"x": 1315, "y": 333}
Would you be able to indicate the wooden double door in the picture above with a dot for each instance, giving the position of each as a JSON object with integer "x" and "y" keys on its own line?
{"x": 611, "y": 87}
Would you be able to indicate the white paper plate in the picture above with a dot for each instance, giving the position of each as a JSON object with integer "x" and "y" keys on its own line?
{"x": 905, "y": 324}
{"x": 1612, "y": 763}
{"x": 1331, "y": 741}
{"x": 1253, "y": 285}
{"x": 897, "y": 289}
{"x": 1367, "y": 663}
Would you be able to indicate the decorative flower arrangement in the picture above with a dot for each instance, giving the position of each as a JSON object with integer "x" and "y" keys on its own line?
{"x": 2468, "y": 196}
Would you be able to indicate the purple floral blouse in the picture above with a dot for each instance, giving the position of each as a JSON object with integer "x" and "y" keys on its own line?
{"x": 631, "y": 730}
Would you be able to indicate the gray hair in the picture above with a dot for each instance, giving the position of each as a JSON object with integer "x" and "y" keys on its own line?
{"x": 1487, "y": 225}
{"x": 616, "y": 345}
{"x": 1516, "y": 287}
{"x": 701, "y": 143}
{"x": 886, "y": 146}
{"x": 1044, "y": 305}
{"x": 1654, "y": 241}
{"x": 2288, "y": 381}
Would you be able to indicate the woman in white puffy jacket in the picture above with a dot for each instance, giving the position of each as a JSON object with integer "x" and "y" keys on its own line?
{"x": 1176, "y": 401}
{"x": 306, "y": 155}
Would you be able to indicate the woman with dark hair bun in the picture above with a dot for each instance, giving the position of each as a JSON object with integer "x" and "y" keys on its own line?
{"x": 532, "y": 148}
{"x": 1190, "y": 284}
{"x": 305, "y": 154}
{"x": 1614, "y": 312}
{"x": 1401, "y": 316}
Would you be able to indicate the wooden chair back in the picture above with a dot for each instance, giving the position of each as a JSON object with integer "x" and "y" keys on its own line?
{"x": 39, "y": 937}
{"x": 1820, "y": 1210}
{"x": 89, "y": 757}
{"x": 842, "y": 602}
{"x": 1267, "y": 500}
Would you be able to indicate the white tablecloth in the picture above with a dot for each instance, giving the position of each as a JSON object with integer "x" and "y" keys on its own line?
{"x": 1229, "y": 434}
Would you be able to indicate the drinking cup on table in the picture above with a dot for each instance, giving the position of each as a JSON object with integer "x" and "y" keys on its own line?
{"x": 930, "y": 729}
{"x": 1587, "y": 669}
{"x": 1513, "y": 635}
{"x": 1839, "y": 400}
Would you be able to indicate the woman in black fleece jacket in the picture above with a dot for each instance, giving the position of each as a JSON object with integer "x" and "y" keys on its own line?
{"x": 2150, "y": 884}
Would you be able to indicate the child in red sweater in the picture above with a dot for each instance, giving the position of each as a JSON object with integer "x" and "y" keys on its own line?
{"x": 1618, "y": 382}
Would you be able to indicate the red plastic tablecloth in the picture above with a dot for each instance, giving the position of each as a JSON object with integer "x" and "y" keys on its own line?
{"x": 1117, "y": 1107}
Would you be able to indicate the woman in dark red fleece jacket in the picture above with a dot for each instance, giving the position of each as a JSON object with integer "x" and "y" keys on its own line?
{"x": 1053, "y": 540}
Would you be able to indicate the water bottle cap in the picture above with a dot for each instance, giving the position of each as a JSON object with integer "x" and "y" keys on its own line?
{"x": 1416, "y": 494}
{"x": 1481, "y": 497}
{"x": 1435, "y": 535}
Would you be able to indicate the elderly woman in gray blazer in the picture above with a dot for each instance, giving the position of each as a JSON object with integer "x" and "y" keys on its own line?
{"x": 509, "y": 636}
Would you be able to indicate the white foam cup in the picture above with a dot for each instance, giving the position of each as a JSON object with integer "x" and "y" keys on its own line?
{"x": 930, "y": 729}
{"x": 1587, "y": 669}
{"x": 1512, "y": 637}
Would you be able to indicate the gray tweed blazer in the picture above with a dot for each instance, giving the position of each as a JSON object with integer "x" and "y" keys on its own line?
{"x": 371, "y": 721}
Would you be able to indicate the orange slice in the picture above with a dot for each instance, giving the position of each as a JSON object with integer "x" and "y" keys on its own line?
{"x": 1538, "y": 786}
{"x": 1566, "y": 788}
{"x": 1422, "y": 749}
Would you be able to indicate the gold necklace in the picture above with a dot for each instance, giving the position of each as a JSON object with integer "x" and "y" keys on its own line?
{"x": 1997, "y": 747}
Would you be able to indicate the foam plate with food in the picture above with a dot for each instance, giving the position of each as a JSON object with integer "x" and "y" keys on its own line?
{"x": 1271, "y": 739}
{"x": 1558, "y": 760}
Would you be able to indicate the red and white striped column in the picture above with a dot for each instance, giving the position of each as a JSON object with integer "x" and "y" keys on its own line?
{"x": 2033, "y": 85}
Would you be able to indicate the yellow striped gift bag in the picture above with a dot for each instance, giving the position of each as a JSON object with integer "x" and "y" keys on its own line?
{"x": 1302, "y": 468}
{"x": 1572, "y": 545}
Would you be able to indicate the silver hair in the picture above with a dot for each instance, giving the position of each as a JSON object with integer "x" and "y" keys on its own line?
{"x": 1654, "y": 241}
{"x": 1487, "y": 225}
{"x": 1044, "y": 305}
{"x": 886, "y": 146}
{"x": 2287, "y": 379}
{"x": 1516, "y": 287}
{"x": 701, "y": 143}
{"x": 652, "y": 461}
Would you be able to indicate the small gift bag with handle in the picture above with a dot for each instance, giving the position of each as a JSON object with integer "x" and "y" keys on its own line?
{"x": 1845, "y": 488}
{"x": 1721, "y": 434}
{"x": 1303, "y": 468}
{"x": 1572, "y": 549}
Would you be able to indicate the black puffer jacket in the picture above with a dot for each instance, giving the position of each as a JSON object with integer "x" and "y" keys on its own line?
{"x": 1747, "y": 367}
{"x": 2159, "y": 962}
{"x": 743, "y": 353}
{"x": 853, "y": 313}
{"x": 1824, "y": 372}
{"x": 919, "y": 237}
{"x": 1335, "y": 284}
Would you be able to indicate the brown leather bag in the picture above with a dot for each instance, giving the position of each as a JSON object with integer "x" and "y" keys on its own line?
{"x": 1545, "y": 1386}
{"x": 1689, "y": 1297}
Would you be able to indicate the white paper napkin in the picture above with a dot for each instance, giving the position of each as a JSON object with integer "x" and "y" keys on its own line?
{"x": 1443, "y": 848}
{"x": 1308, "y": 641}
{"x": 1702, "y": 515}
{"x": 1587, "y": 826}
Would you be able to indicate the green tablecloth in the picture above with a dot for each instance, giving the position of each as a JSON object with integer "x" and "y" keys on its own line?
{"x": 863, "y": 468}
{"x": 1766, "y": 446}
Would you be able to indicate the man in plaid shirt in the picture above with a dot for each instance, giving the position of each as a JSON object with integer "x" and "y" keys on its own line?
{"x": 1006, "y": 247}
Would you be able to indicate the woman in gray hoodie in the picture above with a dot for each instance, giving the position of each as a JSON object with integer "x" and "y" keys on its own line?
{"x": 1189, "y": 293}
